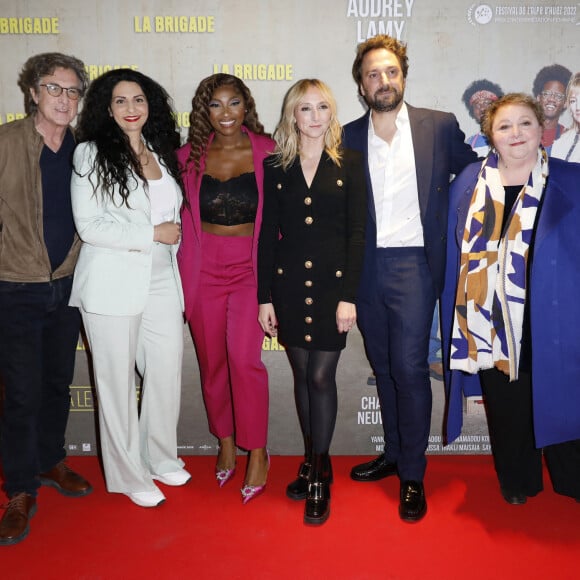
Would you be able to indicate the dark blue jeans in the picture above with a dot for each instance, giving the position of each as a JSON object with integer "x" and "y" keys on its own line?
{"x": 38, "y": 337}
{"x": 395, "y": 319}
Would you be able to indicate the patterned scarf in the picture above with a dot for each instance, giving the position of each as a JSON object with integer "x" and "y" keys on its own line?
{"x": 491, "y": 292}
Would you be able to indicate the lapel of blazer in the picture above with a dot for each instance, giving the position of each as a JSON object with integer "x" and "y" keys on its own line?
{"x": 423, "y": 137}
{"x": 361, "y": 133}
{"x": 259, "y": 152}
{"x": 460, "y": 203}
{"x": 360, "y": 142}
{"x": 555, "y": 207}
{"x": 196, "y": 177}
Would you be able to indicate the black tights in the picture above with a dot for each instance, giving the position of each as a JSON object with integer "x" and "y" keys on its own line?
{"x": 315, "y": 393}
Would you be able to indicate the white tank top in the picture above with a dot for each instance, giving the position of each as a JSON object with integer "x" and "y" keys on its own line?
{"x": 163, "y": 197}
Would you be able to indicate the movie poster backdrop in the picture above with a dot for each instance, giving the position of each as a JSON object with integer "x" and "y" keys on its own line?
{"x": 270, "y": 44}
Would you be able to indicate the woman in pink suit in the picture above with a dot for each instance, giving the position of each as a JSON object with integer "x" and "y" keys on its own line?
{"x": 222, "y": 175}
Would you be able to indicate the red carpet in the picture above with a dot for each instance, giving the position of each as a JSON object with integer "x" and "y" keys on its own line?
{"x": 204, "y": 532}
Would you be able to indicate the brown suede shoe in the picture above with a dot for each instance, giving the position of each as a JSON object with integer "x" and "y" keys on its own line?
{"x": 14, "y": 524}
{"x": 66, "y": 481}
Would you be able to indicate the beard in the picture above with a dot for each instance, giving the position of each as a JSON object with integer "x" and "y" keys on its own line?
{"x": 385, "y": 100}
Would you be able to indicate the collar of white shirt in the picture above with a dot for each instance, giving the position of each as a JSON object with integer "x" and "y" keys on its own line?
{"x": 401, "y": 121}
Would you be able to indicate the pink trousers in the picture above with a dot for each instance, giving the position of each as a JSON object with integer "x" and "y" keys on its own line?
{"x": 228, "y": 341}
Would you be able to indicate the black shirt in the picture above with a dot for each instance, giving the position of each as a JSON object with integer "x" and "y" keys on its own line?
{"x": 59, "y": 229}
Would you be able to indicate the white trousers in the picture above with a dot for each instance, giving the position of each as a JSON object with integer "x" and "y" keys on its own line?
{"x": 135, "y": 444}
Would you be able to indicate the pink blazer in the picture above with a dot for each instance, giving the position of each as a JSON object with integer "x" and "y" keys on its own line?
{"x": 189, "y": 255}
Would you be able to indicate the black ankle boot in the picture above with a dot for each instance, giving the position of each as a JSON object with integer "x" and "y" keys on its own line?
{"x": 317, "y": 508}
{"x": 298, "y": 489}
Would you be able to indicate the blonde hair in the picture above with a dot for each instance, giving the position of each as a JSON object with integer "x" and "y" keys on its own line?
{"x": 573, "y": 84}
{"x": 287, "y": 135}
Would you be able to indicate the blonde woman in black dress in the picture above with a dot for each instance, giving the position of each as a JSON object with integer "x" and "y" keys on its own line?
{"x": 310, "y": 254}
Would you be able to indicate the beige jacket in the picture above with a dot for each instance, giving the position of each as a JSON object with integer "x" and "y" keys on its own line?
{"x": 23, "y": 253}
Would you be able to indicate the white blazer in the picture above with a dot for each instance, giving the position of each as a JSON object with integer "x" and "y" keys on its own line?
{"x": 113, "y": 272}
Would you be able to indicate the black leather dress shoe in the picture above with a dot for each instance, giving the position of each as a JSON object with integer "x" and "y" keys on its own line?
{"x": 514, "y": 498}
{"x": 317, "y": 507}
{"x": 298, "y": 489}
{"x": 413, "y": 505}
{"x": 374, "y": 470}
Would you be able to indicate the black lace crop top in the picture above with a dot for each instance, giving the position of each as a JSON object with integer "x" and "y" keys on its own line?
{"x": 228, "y": 203}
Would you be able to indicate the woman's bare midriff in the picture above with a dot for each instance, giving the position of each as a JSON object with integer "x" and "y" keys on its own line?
{"x": 237, "y": 230}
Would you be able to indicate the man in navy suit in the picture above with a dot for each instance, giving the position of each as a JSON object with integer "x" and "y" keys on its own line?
{"x": 411, "y": 157}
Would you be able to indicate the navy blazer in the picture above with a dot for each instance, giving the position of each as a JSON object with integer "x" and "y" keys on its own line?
{"x": 440, "y": 153}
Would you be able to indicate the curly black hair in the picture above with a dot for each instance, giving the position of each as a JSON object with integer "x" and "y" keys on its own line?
{"x": 553, "y": 72}
{"x": 476, "y": 86}
{"x": 115, "y": 160}
{"x": 200, "y": 127}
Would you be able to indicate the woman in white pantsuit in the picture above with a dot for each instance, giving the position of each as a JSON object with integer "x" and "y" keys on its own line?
{"x": 126, "y": 200}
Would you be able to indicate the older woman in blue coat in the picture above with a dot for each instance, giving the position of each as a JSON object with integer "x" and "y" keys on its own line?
{"x": 510, "y": 307}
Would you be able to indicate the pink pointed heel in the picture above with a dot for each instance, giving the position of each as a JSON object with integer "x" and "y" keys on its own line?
{"x": 250, "y": 492}
{"x": 224, "y": 475}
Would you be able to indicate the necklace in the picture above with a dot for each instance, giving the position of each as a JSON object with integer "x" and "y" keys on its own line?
{"x": 144, "y": 151}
